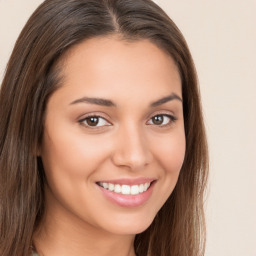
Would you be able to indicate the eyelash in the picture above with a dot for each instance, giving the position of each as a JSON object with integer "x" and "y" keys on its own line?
{"x": 172, "y": 119}
{"x": 85, "y": 120}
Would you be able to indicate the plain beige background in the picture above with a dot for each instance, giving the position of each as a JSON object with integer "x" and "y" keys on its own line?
{"x": 222, "y": 38}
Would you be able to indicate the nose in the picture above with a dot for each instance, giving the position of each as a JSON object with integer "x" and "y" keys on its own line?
{"x": 131, "y": 149}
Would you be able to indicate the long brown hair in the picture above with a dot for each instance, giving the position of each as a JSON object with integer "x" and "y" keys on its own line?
{"x": 31, "y": 77}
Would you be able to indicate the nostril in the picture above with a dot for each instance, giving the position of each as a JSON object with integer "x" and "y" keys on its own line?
{"x": 131, "y": 148}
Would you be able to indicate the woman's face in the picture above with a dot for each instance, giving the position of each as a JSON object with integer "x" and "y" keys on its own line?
{"x": 114, "y": 141}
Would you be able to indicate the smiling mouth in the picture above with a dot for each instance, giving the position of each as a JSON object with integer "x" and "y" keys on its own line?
{"x": 125, "y": 189}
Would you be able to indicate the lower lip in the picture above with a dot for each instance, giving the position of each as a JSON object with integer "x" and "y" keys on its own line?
{"x": 128, "y": 200}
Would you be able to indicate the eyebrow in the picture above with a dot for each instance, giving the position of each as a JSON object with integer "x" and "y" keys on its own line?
{"x": 96, "y": 101}
{"x": 109, "y": 103}
{"x": 164, "y": 100}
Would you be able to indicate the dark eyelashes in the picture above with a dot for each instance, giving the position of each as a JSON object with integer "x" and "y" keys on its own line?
{"x": 173, "y": 118}
{"x": 96, "y": 121}
{"x": 159, "y": 120}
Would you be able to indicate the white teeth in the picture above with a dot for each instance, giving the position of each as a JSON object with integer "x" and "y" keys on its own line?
{"x": 118, "y": 188}
{"x": 141, "y": 188}
{"x": 135, "y": 190}
{"x": 146, "y": 186}
{"x": 111, "y": 187}
{"x": 105, "y": 185}
{"x": 126, "y": 189}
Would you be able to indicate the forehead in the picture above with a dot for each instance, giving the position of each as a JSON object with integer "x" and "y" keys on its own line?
{"x": 110, "y": 67}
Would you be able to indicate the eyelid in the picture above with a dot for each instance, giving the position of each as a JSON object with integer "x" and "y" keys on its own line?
{"x": 97, "y": 115}
{"x": 168, "y": 114}
{"x": 93, "y": 114}
{"x": 162, "y": 112}
{"x": 165, "y": 113}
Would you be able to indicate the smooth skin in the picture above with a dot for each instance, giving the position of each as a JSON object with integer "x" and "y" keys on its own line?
{"x": 135, "y": 130}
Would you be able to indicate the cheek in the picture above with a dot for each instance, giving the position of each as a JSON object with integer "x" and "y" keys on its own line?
{"x": 68, "y": 154}
{"x": 70, "y": 163}
{"x": 171, "y": 153}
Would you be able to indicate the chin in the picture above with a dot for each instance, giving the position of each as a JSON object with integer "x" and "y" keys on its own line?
{"x": 131, "y": 226}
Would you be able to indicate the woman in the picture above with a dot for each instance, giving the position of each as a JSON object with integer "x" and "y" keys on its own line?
{"x": 102, "y": 142}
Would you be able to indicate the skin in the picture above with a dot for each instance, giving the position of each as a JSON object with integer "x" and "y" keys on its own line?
{"x": 126, "y": 144}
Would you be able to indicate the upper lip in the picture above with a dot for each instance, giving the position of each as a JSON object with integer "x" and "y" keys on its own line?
{"x": 128, "y": 181}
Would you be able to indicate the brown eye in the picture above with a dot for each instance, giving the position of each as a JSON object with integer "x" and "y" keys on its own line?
{"x": 162, "y": 120}
{"x": 94, "y": 121}
{"x": 158, "y": 120}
